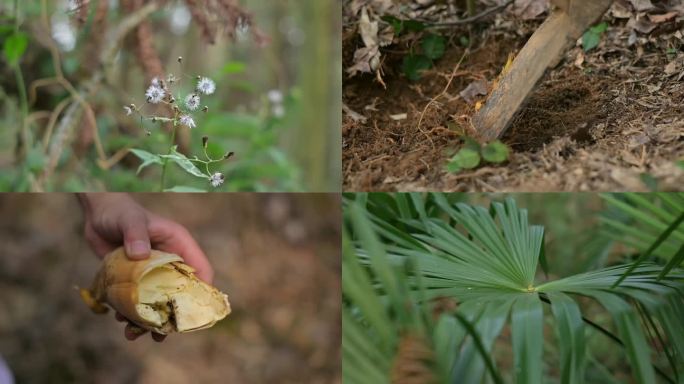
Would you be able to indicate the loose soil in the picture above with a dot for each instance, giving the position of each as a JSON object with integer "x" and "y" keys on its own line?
{"x": 613, "y": 122}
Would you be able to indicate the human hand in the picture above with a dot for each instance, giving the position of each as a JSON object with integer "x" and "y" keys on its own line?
{"x": 113, "y": 219}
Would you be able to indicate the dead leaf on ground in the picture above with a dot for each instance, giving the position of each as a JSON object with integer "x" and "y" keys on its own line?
{"x": 353, "y": 114}
{"x": 366, "y": 59}
{"x": 530, "y": 9}
{"x": 641, "y": 23}
{"x": 642, "y": 5}
{"x": 473, "y": 90}
{"x": 671, "y": 68}
{"x": 621, "y": 10}
{"x": 663, "y": 18}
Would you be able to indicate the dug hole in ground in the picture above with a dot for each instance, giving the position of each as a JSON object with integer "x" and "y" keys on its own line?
{"x": 604, "y": 119}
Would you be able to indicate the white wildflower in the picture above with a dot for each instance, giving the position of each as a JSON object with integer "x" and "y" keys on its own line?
{"x": 216, "y": 179}
{"x": 192, "y": 101}
{"x": 278, "y": 111}
{"x": 206, "y": 85}
{"x": 156, "y": 83}
{"x": 275, "y": 96}
{"x": 187, "y": 121}
{"x": 154, "y": 94}
{"x": 128, "y": 110}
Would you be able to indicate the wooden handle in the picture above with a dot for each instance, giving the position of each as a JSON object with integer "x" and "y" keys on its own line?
{"x": 545, "y": 45}
{"x": 543, "y": 50}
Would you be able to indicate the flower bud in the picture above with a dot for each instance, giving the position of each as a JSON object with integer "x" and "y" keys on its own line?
{"x": 228, "y": 155}
{"x": 205, "y": 141}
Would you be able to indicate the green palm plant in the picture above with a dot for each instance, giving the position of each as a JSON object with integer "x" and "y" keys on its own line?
{"x": 639, "y": 221}
{"x": 406, "y": 253}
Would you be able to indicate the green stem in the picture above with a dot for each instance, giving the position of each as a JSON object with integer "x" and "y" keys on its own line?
{"x": 16, "y": 15}
{"x": 166, "y": 160}
{"x": 23, "y": 99}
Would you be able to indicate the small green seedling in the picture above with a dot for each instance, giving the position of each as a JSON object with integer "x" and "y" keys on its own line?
{"x": 472, "y": 155}
{"x": 592, "y": 37}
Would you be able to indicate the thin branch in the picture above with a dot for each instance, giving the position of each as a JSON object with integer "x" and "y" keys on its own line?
{"x": 470, "y": 19}
{"x": 444, "y": 91}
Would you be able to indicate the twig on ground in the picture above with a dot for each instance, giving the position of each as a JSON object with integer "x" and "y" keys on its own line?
{"x": 470, "y": 19}
{"x": 444, "y": 91}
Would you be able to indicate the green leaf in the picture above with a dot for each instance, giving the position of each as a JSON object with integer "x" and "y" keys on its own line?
{"x": 570, "y": 334}
{"x": 528, "y": 338}
{"x": 14, "y": 48}
{"x": 649, "y": 180}
{"x": 465, "y": 159}
{"x": 592, "y": 37}
{"x": 147, "y": 158}
{"x": 184, "y": 163}
{"x": 414, "y": 25}
{"x": 470, "y": 143}
{"x": 495, "y": 152}
{"x": 35, "y": 160}
{"x": 644, "y": 256}
{"x": 414, "y": 65}
{"x": 233, "y": 67}
{"x": 433, "y": 46}
{"x": 396, "y": 23}
{"x": 627, "y": 324}
{"x": 184, "y": 189}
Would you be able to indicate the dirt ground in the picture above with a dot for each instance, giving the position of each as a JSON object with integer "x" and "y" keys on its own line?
{"x": 276, "y": 256}
{"x": 608, "y": 120}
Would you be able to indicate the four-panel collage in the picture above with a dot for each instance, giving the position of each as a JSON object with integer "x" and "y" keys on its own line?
{"x": 342, "y": 191}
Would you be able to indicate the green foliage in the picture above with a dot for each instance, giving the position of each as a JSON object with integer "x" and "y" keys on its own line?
{"x": 432, "y": 47}
{"x": 14, "y": 47}
{"x": 241, "y": 118}
{"x": 466, "y": 158}
{"x": 414, "y": 65}
{"x": 638, "y": 219}
{"x": 401, "y": 26}
{"x": 408, "y": 254}
{"x": 147, "y": 158}
{"x": 495, "y": 152}
{"x": 186, "y": 164}
{"x": 472, "y": 153}
{"x": 592, "y": 37}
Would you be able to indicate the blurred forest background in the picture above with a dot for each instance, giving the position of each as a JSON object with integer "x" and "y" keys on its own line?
{"x": 276, "y": 256}
{"x": 69, "y": 68}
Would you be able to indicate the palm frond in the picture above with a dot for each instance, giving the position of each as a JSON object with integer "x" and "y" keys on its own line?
{"x": 486, "y": 260}
{"x": 637, "y": 220}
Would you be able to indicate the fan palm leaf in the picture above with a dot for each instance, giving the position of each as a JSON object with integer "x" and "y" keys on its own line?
{"x": 487, "y": 261}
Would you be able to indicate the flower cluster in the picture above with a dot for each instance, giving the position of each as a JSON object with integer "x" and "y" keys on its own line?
{"x": 275, "y": 97}
{"x": 160, "y": 92}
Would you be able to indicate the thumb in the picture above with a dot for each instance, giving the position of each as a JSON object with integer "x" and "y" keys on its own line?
{"x": 135, "y": 236}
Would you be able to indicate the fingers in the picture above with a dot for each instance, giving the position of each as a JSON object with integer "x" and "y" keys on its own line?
{"x": 99, "y": 245}
{"x": 158, "y": 337}
{"x": 133, "y": 226}
{"x": 132, "y": 331}
{"x": 169, "y": 236}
